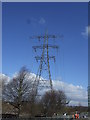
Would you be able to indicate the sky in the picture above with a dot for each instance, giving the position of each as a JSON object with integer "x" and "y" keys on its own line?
{"x": 88, "y": 50}
{"x": 22, "y": 20}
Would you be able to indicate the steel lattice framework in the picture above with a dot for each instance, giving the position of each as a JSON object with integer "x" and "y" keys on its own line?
{"x": 44, "y": 59}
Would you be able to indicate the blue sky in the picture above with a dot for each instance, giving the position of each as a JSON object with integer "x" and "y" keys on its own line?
{"x": 89, "y": 44}
{"x": 22, "y": 20}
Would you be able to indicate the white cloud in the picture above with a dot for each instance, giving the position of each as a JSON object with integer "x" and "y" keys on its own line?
{"x": 86, "y": 32}
{"x": 42, "y": 21}
{"x": 35, "y": 21}
{"x": 77, "y": 94}
{"x": 4, "y": 78}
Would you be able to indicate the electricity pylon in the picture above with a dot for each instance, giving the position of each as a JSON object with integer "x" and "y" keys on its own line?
{"x": 44, "y": 59}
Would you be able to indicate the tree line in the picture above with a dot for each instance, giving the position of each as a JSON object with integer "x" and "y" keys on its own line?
{"x": 19, "y": 93}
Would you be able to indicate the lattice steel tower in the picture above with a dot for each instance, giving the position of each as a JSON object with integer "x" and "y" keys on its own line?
{"x": 44, "y": 59}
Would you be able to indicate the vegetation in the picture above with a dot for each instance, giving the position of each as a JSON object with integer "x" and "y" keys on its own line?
{"x": 19, "y": 98}
{"x": 17, "y": 90}
{"x": 53, "y": 101}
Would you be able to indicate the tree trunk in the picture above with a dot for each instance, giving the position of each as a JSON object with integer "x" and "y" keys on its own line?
{"x": 19, "y": 110}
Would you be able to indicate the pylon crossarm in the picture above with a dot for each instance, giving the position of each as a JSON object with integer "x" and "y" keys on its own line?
{"x": 39, "y": 37}
{"x": 49, "y": 46}
{"x": 38, "y": 58}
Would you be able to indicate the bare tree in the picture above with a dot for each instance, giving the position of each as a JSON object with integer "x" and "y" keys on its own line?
{"x": 18, "y": 90}
{"x": 53, "y": 101}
